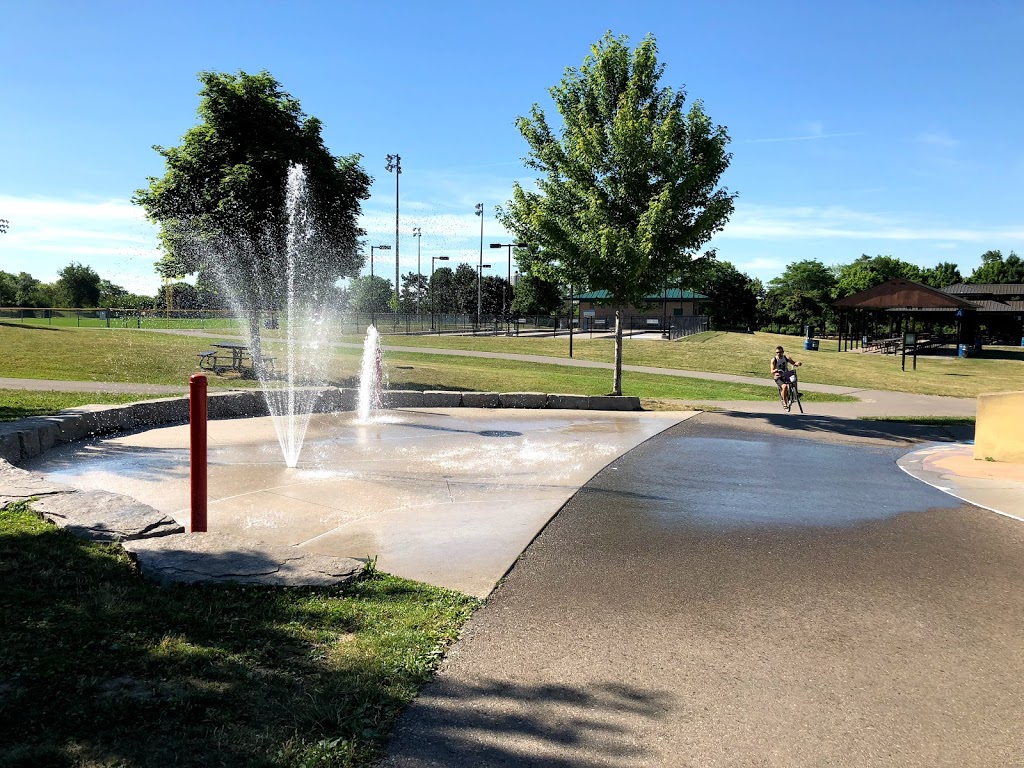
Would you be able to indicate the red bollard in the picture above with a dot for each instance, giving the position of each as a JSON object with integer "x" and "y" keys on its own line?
{"x": 197, "y": 453}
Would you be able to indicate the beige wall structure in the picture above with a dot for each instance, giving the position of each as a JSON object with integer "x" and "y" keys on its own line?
{"x": 999, "y": 433}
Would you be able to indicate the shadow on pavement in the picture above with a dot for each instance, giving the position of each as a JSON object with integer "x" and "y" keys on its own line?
{"x": 811, "y": 425}
{"x": 500, "y": 723}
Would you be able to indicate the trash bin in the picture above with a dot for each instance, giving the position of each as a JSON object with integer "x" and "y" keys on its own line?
{"x": 1022, "y": 342}
{"x": 965, "y": 351}
{"x": 811, "y": 345}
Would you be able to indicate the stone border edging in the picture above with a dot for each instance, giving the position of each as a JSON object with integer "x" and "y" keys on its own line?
{"x": 25, "y": 439}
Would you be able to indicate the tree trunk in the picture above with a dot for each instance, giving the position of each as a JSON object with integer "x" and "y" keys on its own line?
{"x": 617, "y": 380}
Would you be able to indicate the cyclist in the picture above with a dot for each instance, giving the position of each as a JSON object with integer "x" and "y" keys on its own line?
{"x": 781, "y": 373}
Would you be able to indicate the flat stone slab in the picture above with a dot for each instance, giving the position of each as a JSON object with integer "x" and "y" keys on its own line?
{"x": 221, "y": 557}
{"x": 105, "y": 516}
{"x": 20, "y": 485}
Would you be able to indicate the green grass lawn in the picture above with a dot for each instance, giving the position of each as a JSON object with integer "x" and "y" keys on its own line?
{"x": 159, "y": 358}
{"x": 997, "y": 369}
{"x": 19, "y": 404}
{"x": 102, "y": 668}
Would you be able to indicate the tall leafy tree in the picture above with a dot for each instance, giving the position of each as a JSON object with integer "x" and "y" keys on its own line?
{"x": 464, "y": 290}
{"x": 801, "y": 295}
{"x": 628, "y": 187}
{"x": 869, "y": 271}
{"x": 8, "y": 289}
{"x": 536, "y": 296}
{"x": 78, "y": 286}
{"x": 370, "y": 294}
{"x": 995, "y": 269}
{"x": 732, "y": 300}
{"x": 441, "y": 298}
{"x": 223, "y": 193}
{"x": 943, "y": 274}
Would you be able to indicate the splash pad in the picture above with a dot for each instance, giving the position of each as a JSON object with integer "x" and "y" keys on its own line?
{"x": 446, "y": 496}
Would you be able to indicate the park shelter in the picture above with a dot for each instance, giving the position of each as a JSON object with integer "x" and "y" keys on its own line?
{"x": 886, "y": 311}
{"x": 999, "y": 308}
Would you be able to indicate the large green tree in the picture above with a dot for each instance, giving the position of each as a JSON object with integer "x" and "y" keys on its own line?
{"x": 628, "y": 187}
{"x": 800, "y": 296}
{"x": 995, "y": 269}
{"x": 869, "y": 271}
{"x": 732, "y": 295}
{"x": 78, "y": 286}
{"x": 222, "y": 196}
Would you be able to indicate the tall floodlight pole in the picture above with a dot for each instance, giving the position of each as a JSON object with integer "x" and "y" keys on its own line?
{"x": 394, "y": 163}
{"x": 418, "y": 234}
{"x": 480, "y": 212}
{"x": 431, "y": 284}
{"x": 507, "y": 306}
{"x": 373, "y": 311}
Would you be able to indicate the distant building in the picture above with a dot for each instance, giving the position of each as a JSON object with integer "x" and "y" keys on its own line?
{"x": 596, "y": 313}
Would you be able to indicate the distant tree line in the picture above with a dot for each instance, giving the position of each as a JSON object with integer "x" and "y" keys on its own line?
{"x": 77, "y": 285}
{"x": 804, "y": 292}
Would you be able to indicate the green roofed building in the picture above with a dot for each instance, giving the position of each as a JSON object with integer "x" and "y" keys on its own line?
{"x": 662, "y": 310}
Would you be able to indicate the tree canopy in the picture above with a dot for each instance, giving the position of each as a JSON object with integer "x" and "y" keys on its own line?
{"x": 223, "y": 192}
{"x": 628, "y": 189}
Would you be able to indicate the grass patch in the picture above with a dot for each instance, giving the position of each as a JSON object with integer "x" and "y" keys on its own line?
{"x": 426, "y": 371}
{"x": 939, "y": 421}
{"x": 996, "y": 369}
{"x": 160, "y": 358}
{"x": 20, "y": 404}
{"x": 102, "y": 668}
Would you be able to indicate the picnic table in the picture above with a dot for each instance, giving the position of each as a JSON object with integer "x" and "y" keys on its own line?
{"x": 236, "y": 357}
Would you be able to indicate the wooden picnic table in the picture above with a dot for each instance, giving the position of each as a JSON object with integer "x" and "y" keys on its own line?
{"x": 240, "y": 359}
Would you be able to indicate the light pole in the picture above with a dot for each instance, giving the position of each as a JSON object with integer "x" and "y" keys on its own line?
{"x": 479, "y": 274}
{"x": 507, "y": 311}
{"x": 394, "y": 163}
{"x": 373, "y": 311}
{"x": 432, "y": 260}
{"x": 479, "y": 210}
{"x": 418, "y": 234}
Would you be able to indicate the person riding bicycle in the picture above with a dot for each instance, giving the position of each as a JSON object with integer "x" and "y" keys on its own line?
{"x": 781, "y": 373}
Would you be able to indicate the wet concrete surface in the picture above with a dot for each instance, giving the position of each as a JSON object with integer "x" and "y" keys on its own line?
{"x": 450, "y": 496}
{"x": 723, "y": 596}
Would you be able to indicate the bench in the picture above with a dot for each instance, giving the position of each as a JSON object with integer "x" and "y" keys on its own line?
{"x": 219, "y": 363}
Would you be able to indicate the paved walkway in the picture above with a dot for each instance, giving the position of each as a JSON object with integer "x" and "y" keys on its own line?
{"x": 727, "y": 595}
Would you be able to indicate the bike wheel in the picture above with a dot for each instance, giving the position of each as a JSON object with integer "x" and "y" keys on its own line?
{"x": 795, "y": 393}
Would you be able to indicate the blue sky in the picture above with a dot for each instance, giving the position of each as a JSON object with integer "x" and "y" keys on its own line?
{"x": 875, "y": 127}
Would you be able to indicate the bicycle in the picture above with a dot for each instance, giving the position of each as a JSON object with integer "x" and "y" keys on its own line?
{"x": 792, "y": 394}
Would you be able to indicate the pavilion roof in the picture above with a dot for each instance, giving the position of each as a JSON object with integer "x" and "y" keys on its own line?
{"x": 905, "y": 295}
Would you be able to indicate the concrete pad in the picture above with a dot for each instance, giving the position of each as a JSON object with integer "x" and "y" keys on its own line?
{"x": 952, "y": 468}
{"x": 450, "y": 497}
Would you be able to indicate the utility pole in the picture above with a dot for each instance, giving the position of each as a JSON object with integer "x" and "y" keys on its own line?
{"x": 418, "y": 234}
{"x": 394, "y": 163}
{"x": 480, "y": 268}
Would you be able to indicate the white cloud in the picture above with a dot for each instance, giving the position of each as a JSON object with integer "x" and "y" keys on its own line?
{"x": 759, "y": 222}
{"x": 814, "y": 130}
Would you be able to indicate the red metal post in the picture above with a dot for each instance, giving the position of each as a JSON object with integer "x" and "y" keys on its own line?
{"x": 197, "y": 454}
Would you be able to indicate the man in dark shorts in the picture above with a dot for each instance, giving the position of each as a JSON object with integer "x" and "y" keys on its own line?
{"x": 781, "y": 373}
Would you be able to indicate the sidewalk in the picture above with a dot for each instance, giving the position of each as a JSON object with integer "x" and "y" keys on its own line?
{"x": 997, "y": 486}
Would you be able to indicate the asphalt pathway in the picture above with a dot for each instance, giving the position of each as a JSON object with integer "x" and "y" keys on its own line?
{"x": 729, "y": 594}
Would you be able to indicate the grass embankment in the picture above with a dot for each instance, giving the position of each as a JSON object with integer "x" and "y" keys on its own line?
{"x": 159, "y": 358}
{"x": 747, "y": 354}
{"x": 20, "y": 404}
{"x": 101, "y": 668}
